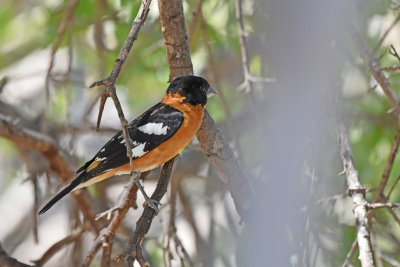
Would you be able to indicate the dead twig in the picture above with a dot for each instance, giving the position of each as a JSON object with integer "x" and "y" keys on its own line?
{"x": 109, "y": 84}
{"x": 56, "y": 44}
{"x": 378, "y": 45}
{"x": 375, "y": 69}
{"x": 216, "y": 81}
{"x": 383, "y": 205}
{"x": 249, "y": 79}
{"x": 379, "y": 195}
{"x": 172, "y": 236}
{"x": 76, "y": 234}
{"x": 106, "y": 236}
{"x": 110, "y": 81}
{"x": 393, "y": 52}
{"x": 356, "y": 192}
{"x": 45, "y": 146}
{"x": 391, "y": 68}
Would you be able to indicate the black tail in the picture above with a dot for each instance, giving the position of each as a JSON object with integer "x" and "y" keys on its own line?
{"x": 62, "y": 194}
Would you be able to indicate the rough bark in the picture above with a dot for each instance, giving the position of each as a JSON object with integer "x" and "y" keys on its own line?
{"x": 215, "y": 148}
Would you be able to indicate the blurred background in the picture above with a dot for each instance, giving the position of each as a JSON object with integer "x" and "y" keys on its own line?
{"x": 278, "y": 120}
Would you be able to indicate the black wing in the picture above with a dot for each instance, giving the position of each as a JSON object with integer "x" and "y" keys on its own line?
{"x": 148, "y": 131}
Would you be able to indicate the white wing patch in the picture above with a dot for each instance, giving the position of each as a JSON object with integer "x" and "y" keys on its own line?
{"x": 138, "y": 150}
{"x": 154, "y": 128}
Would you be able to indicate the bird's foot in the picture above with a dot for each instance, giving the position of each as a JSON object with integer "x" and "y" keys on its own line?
{"x": 152, "y": 203}
{"x": 148, "y": 201}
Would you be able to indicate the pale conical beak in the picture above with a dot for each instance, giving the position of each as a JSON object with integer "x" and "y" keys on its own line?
{"x": 211, "y": 91}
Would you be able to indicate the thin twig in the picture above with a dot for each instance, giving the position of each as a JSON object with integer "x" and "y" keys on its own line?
{"x": 47, "y": 147}
{"x": 390, "y": 260}
{"x": 393, "y": 52}
{"x": 172, "y": 227}
{"x": 56, "y": 44}
{"x": 249, "y": 79}
{"x": 374, "y": 67}
{"x": 356, "y": 192}
{"x": 110, "y": 81}
{"x": 378, "y": 45}
{"x": 393, "y": 187}
{"x": 106, "y": 237}
{"x": 196, "y": 15}
{"x": 76, "y": 234}
{"x": 109, "y": 84}
{"x": 390, "y": 68}
{"x": 394, "y": 215}
{"x": 379, "y": 195}
{"x": 383, "y": 205}
{"x": 216, "y": 81}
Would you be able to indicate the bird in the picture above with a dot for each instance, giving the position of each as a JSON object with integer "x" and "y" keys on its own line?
{"x": 157, "y": 135}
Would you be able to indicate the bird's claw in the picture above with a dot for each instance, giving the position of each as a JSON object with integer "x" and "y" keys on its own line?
{"x": 152, "y": 204}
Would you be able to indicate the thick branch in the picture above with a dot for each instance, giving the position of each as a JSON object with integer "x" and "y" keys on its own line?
{"x": 212, "y": 142}
{"x": 175, "y": 38}
{"x": 134, "y": 251}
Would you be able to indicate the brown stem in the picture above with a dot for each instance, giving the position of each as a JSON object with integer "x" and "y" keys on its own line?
{"x": 134, "y": 250}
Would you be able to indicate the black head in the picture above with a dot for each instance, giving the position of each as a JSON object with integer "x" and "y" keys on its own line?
{"x": 193, "y": 88}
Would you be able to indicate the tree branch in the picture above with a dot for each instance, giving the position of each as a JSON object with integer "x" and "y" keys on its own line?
{"x": 106, "y": 236}
{"x": 215, "y": 148}
{"x": 56, "y": 44}
{"x": 356, "y": 192}
{"x": 374, "y": 67}
{"x": 134, "y": 250}
{"x": 45, "y": 146}
{"x": 77, "y": 233}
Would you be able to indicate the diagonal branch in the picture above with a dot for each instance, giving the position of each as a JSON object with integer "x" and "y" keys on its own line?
{"x": 249, "y": 79}
{"x": 215, "y": 148}
{"x": 56, "y": 44}
{"x": 110, "y": 81}
{"x": 356, "y": 192}
{"x": 374, "y": 67}
{"x": 134, "y": 250}
{"x": 106, "y": 237}
{"x": 389, "y": 29}
{"x": 388, "y": 167}
{"x": 76, "y": 234}
{"x": 44, "y": 145}
{"x": 109, "y": 84}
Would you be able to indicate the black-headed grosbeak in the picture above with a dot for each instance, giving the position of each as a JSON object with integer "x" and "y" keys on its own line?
{"x": 157, "y": 136}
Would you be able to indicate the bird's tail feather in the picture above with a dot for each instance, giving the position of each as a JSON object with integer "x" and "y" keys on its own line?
{"x": 63, "y": 193}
